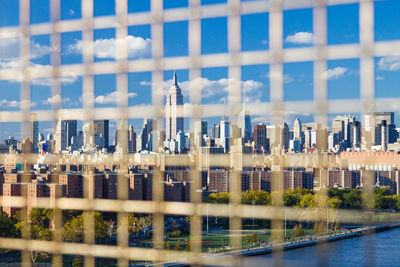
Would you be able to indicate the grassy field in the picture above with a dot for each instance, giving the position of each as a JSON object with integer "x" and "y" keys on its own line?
{"x": 220, "y": 240}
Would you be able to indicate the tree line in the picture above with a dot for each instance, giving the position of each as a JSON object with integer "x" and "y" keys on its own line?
{"x": 304, "y": 198}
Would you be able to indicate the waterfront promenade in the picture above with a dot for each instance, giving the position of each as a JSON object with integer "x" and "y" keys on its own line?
{"x": 228, "y": 257}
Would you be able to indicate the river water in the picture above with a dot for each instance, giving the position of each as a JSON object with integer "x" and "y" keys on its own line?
{"x": 380, "y": 249}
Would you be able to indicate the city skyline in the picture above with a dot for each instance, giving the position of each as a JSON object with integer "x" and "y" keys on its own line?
{"x": 342, "y": 75}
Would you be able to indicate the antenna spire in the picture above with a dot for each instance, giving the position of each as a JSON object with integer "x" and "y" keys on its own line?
{"x": 175, "y": 79}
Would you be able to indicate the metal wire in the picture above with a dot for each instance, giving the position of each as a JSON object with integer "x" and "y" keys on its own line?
{"x": 233, "y": 59}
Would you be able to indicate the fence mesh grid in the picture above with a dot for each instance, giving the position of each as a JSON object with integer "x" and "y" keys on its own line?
{"x": 276, "y": 56}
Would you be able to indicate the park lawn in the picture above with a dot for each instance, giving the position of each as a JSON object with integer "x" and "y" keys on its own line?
{"x": 218, "y": 240}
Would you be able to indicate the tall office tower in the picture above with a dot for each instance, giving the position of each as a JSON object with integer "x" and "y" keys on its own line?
{"x": 66, "y": 129}
{"x": 308, "y": 140}
{"x": 131, "y": 139}
{"x": 144, "y": 139}
{"x": 343, "y": 126}
{"x": 224, "y": 129}
{"x": 88, "y": 138}
{"x": 383, "y": 136}
{"x": 378, "y": 117}
{"x": 34, "y": 133}
{"x": 244, "y": 122}
{"x": 121, "y": 138}
{"x": 224, "y": 134}
{"x": 356, "y": 136}
{"x": 285, "y": 136}
{"x": 174, "y": 110}
{"x": 338, "y": 128}
{"x": 101, "y": 129}
{"x": 49, "y": 136}
{"x": 260, "y": 137}
{"x": 391, "y": 133}
{"x": 216, "y": 131}
{"x": 200, "y": 130}
{"x": 297, "y": 131}
{"x": 372, "y": 128}
{"x": 71, "y": 128}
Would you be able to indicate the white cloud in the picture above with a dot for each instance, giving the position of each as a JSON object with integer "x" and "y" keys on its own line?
{"x": 10, "y": 53}
{"x": 106, "y": 48}
{"x": 111, "y": 98}
{"x": 390, "y": 63}
{"x": 8, "y": 103}
{"x": 260, "y": 119}
{"x": 378, "y": 78}
{"x": 287, "y": 78}
{"x": 71, "y": 12}
{"x": 211, "y": 88}
{"x": 145, "y": 83}
{"x": 336, "y": 73}
{"x": 48, "y": 81}
{"x": 38, "y": 50}
{"x": 300, "y": 38}
{"x": 9, "y": 49}
{"x": 56, "y": 99}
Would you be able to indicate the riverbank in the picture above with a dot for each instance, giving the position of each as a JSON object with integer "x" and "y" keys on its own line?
{"x": 209, "y": 258}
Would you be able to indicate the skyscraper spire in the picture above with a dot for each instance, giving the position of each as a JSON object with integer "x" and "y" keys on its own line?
{"x": 174, "y": 110}
{"x": 175, "y": 79}
{"x": 244, "y": 99}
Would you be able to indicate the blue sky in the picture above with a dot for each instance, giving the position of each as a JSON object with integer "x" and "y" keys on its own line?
{"x": 343, "y": 74}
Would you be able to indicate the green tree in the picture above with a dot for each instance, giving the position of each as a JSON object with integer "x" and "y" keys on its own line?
{"x": 220, "y": 198}
{"x": 258, "y": 197}
{"x": 334, "y": 202}
{"x": 383, "y": 191}
{"x": 352, "y": 199}
{"x": 398, "y": 202}
{"x": 298, "y": 230}
{"x": 254, "y": 238}
{"x": 40, "y": 222}
{"x": 248, "y": 239}
{"x": 137, "y": 224}
{"x": 77, "y": 262}
{"x": 307, "y": 201}
{"x": 291, "y": 199}
{"x": 8, "y": 226}
{"x": 74, "y": 229}
{"x": 385, "y": 202}
{"x": 189, "y": 245}
{"x": 42, "y": 217}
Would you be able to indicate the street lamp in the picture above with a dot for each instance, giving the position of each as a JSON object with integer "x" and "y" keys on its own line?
{"x": 208, "y": 205}
{"x": 327, "y": 218}
{"x": 285, "y": 220}
{"x": 253, "y": 202}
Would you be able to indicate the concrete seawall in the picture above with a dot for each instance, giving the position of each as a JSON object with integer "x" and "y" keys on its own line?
{"x": 318, "y": 240}
{"x": 210, "y": 258}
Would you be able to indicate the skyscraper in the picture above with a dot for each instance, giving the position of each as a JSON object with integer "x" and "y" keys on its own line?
{"x": 101, "y": 128}
{"x": 285, "y": 136}
{"x": 260, "y": 137}
{"x": 131, "y": 139}
{"x": 121, "y": 138}
{"x": 71, "y": 128}
{"x": 144, "y": 138}
{"x": 66, "y": 129}
{"x": 200, "y": 129}
{"x": 244, "y": 122}
{"x": 297, "y": 131}
{"x": 34, "y": 133}
{"x": 174, "y": 110}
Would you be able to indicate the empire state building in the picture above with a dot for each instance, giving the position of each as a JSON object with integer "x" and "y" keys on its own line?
{"x": 174, "y": 110}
